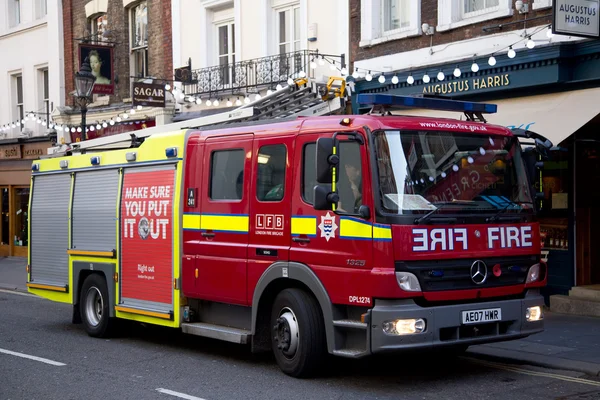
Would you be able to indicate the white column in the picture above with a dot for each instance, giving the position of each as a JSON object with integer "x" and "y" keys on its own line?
{"x": 56, "y": 52}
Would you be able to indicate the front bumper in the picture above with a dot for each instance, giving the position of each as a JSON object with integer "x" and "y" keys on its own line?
{"x": 445, "y": 327}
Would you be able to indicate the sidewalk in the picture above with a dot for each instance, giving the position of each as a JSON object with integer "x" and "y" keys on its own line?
{"x": 569, "y": 342}
{"x": 13, "y": 274}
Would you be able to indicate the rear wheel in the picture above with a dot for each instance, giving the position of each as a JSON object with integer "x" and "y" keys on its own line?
{"x": 94, "y": 307}
{"x": 298, "y": 333}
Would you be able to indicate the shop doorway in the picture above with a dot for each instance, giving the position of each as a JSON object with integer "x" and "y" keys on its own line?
{"x": 14, "y": 221}
{"x": 588, "y": 211}
{"x": 4, "y": 221}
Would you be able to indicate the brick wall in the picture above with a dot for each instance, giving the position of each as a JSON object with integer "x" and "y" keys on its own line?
{"x": 429, "y": 15}
{"x": 160, "y": 59}
{"x": 160, "y": 40}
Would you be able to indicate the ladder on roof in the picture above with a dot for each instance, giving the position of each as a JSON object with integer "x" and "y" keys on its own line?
{"x": 303, "y": 98}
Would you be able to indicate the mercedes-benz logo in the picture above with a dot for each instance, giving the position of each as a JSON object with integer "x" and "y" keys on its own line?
{"x": 479, "y": 272}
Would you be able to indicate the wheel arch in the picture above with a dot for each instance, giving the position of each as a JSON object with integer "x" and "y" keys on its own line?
{"x": 83, "y": 269}
{"x": 279, "y": 276}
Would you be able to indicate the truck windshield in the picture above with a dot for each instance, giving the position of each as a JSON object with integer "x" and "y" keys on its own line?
{"x": 421, "y": 171}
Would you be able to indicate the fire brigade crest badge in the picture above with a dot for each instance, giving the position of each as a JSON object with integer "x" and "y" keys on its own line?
{"x": 328, "y": 226}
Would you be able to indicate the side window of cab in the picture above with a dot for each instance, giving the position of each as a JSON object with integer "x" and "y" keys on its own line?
{"x": 270, "y": 184}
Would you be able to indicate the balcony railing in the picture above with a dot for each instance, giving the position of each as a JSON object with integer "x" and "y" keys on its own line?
{"x": 250, "y": 76}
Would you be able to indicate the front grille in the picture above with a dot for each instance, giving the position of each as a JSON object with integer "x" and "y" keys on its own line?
{"x": 455, "y": 274}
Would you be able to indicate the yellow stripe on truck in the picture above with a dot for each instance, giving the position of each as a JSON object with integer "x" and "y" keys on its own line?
{"x": 304, "y": 225}
{"x": 382, "y": 232}
{"x": 191, "y": 221}
{"x": 225, "y": 223}
{"x": 351, "y": 228}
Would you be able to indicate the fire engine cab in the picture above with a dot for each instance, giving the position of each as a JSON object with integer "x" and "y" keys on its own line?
{"x": 304, "y": 235}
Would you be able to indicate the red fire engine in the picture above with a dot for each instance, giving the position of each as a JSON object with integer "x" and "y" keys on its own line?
{"x": 350, "y": 235}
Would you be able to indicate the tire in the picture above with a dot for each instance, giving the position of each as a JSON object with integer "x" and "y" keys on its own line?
{"x": 298, "y": 333}
{"x": 94, "y": 307}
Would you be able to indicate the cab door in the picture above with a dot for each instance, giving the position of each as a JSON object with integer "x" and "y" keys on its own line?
{"x": 334, "y": 244}
{"x": 224, "y": 221}
{"x": 270, "y": 196}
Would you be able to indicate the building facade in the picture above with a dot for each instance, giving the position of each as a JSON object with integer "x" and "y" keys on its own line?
{"x": 226, "y": 52}
{"x": 127, "y": 43}
{"x": 31, "y": 80}
{"x": 503, "y": 52}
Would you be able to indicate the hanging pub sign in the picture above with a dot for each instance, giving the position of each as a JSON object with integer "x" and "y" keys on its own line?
{"x": 101, "y": 63}
{"x": 576, "y": 18}
{"x": 148, "y": 94}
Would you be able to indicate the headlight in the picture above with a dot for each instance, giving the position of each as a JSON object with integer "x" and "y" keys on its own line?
{"x": 534, "y": 273}
{"x": 404, "y": 326}
{"x": 534, "y": 313}
{"x": 408, "y": 282}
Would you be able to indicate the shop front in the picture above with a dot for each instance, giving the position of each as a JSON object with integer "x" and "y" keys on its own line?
{"x": 552, "y": 91}
{"x": 15, "y": 175}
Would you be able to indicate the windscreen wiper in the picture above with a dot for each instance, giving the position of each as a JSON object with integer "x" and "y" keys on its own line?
{"x": 443, "y": 204}
{"x": 496, "y": 216}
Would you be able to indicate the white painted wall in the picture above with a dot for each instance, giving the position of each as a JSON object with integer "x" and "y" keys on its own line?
{"x": 24, "y": 49}
{"x": 194, "y": 35}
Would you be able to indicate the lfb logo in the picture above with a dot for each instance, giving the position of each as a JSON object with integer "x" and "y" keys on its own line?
{"x": 269, "y": 221}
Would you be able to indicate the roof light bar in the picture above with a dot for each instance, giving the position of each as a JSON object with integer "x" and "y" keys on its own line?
{"x": 396, "y": 101}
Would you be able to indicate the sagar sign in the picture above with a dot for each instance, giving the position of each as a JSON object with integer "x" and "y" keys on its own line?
{"x": 147, "y": 236}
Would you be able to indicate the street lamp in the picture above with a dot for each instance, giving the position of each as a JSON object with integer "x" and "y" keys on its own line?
{"x": 84, "y": 84}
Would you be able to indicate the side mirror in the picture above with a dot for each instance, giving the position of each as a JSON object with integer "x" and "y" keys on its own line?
{"x": 364, "y": 212}
{"x": 543, "y": 147}
{"x": 326, "y": 160}
{"x": 539, "y": 196}
{"x": 324, "y": 197}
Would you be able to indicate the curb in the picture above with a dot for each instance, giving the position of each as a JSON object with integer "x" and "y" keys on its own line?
{"x": 5, "y": 286}
{"x": 540, "y": 360}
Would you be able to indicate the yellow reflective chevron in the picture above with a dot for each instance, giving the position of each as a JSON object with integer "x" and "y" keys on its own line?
{"x": 304, "y": 225}
{"x": 351, "y": 228}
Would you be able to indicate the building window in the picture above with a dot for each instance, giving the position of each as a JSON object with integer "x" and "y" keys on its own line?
{"x": 139, "y": 39}
{"x": 18, "y": 111}
{"x": 43, "y": 92}
{"x": 396, "y": 15}
{"x": 270, "y": 182}
{"x": 98, "y": 26}
{"x": 478, "y": 7}
{"x": 456, "y": 13}
{"x": 14, "y": 13}
{"x": 288, "y": 29}
{"x": 226, "y": 51}
{"x": 537, "y": 4}
{"x": 385, "y": 20}
{"x": 227, "y": 175}
{"x": 41, "y": 8}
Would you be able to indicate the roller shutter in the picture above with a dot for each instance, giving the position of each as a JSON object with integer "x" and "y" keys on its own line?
{"x": 95, "y": 209}
{"x": 50, "y": 229}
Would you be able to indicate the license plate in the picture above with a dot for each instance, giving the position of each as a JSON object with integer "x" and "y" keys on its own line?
{"x": 481, "y": 316}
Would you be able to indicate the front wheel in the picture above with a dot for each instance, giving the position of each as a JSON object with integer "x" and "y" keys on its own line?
{"x": 298, "y": 333}
{"x": 94, "y": 307}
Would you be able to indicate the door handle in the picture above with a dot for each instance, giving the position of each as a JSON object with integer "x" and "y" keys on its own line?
{"x": 208, "y": 234}
{"x": 301, "y": 240}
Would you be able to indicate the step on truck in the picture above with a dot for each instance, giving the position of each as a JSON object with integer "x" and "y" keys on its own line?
{"x": 343, "y": 234}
